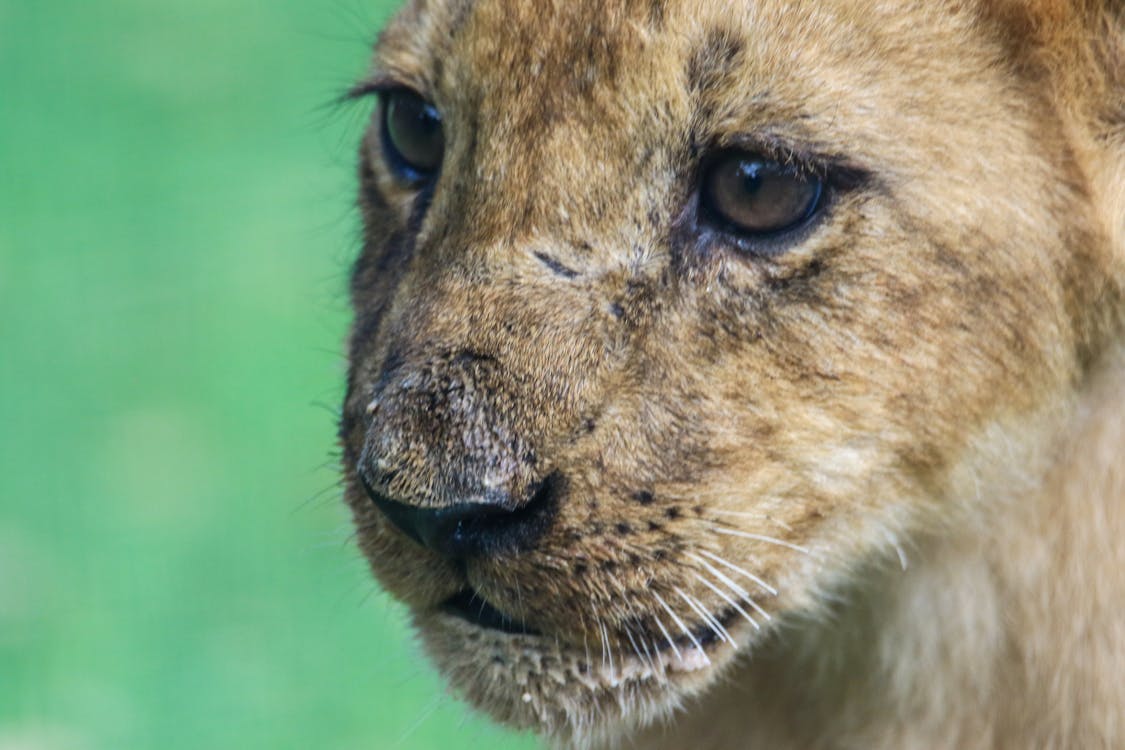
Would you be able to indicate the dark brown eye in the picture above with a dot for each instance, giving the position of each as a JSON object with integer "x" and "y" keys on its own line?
{"x": 412, "y": 135}
{"x": 757, "y": 197}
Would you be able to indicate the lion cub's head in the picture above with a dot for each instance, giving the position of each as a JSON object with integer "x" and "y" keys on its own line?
{"x": 672, "y": 314}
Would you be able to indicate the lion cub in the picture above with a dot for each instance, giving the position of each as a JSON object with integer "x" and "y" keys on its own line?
{"x": 750, "y": 374}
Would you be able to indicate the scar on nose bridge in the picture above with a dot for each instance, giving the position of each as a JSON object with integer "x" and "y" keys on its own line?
{"x": 556, "y": 266}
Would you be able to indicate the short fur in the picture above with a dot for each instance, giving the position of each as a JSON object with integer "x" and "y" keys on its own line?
{"x": 895, "y": 443}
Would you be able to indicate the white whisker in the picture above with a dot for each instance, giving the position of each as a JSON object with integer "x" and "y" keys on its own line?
{"x": 609, "y": 647}
{"x": 742, "y": 593}
{"x": 586, "y": 642}
{"x": 427, "y": 712}
{"x": 762, "y": 538}
{"x": 676, "y": 619}
{"x": 637, "y": 642}
{"x": 897, "y": 548}
{"x": 605, "y": 645}
{"x": 633, "y": 643}
{"x": 709, "y": 619}
{"x": 756, "y": 516}
{"x": 737, "y": 569}
{"x": 728, "y": 600}
{"x": 651, "y": 656}
{"x": 667, "y": 637}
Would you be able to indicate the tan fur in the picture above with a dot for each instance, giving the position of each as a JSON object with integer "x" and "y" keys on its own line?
{"x": 909, "y": 424}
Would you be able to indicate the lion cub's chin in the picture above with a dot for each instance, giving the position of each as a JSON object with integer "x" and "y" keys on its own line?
{"x": 577, "y": 694}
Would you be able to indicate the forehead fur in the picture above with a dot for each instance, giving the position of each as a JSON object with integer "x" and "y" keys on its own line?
{"x": 527, "y": 86}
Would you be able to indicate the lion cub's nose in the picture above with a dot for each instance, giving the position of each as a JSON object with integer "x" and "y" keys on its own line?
{"x": 477, "y": 529}
{"x": 450, "y": 457}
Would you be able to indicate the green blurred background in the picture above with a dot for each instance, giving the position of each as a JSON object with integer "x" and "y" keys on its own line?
{"x": 176, "y": 225}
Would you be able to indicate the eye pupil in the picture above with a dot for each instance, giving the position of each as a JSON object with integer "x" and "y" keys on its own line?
{"x": 750, "y": 172}
{"x": 413, "y": 134}
{"x": 752, "y": 196}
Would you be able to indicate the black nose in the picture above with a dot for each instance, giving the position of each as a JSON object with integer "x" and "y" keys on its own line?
{"x": 477, "y": 529}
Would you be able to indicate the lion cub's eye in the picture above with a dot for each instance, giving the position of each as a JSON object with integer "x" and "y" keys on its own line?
{"x": 412, "y": 135}
{"x": 757, "y": 197}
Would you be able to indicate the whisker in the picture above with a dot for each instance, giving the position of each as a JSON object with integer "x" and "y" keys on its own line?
{"x": 651, "y": 656}
{"x": 426, "y": 713}
{"x": 636, "y": 648}
{"x": 714, "y": 621}
{"x": 737, "y": 569}
{"x": 519, "y": 602}
{"x": 762, "y": 538}
{"x": 334, "y": 488}
{"x": 743, "y": 593}
{"x": 630, "y": 612}
{"x": 605, "y": 636}
{"x": 586, "y": 643}
{"x": 632, "y": 641}
{"x": 667, "y": 637}
{"x": 897, "y": 548}
{"x": 605, "y": 645}
{"x": 639, "y": 642}
{"x": 729, "y": 601}
{"x": 676, "y": 619}
{"x": 715, "y": 626}
{"x": 756, "y": 516}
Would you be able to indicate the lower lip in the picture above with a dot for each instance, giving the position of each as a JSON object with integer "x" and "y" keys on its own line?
{"x": 472, "y": 607}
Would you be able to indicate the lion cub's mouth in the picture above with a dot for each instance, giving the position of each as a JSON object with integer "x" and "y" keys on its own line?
{"x": 475, "y": 609}
{"x": 687, "y": 652}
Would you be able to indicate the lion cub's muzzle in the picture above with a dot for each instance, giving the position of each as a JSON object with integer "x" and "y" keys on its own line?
{"x": 448, "y": 461}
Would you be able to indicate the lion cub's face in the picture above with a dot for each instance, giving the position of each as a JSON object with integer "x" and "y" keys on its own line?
{"x": 670, "y": 314}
